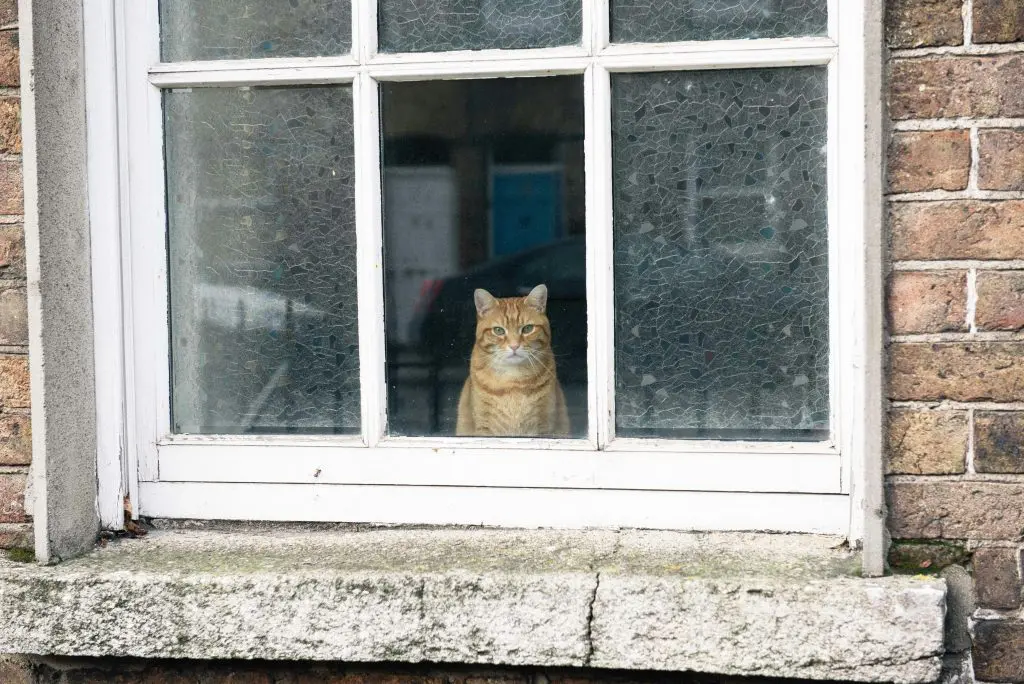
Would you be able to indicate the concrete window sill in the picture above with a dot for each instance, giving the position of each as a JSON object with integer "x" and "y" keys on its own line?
{"x": 742, "y": 604}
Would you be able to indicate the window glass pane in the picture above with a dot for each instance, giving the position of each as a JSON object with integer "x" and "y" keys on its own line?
{"x": 438, "y": 25}
{"x": 670, "y": 20}
{"x": 262, "y": 257}
{"x": 720, "y": 254}
{"x": 483, "y": 188}
{"x": 249, "y": 29}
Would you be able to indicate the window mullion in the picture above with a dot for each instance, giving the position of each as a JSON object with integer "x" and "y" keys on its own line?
{"x": 364, "y": 30}
{"x": 600, "y": 294}
{"x": 596, "y": 25}
{"x": 369, "y": 232}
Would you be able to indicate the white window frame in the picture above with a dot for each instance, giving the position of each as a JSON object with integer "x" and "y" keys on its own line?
{"x": 596, "y": 481}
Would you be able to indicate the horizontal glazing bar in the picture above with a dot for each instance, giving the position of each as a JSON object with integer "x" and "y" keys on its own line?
{"x": 483, "y": 63}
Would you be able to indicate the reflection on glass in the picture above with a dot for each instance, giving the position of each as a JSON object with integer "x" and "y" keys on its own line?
{"x": 262, "y": 260}
{"x": 440, "y": 25}
{"x": 230, "y": 29}
{"x": 720, "y": 254}
{"x": 483, "y": 188}
{"x": 655, "y": 21}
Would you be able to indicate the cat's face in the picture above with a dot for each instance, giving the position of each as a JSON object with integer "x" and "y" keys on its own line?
{"x": 514, "y": 332}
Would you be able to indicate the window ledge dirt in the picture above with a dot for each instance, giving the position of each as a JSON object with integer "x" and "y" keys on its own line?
{"x": 741, "y": 604}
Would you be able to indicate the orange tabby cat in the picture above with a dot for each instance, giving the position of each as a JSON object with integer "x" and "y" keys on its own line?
{"x": 512, "y": 389}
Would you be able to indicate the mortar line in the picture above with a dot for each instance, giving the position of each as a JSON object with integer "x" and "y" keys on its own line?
{"x": 977, "y": 337}
{"x": 959, "y": 265}
{"x": 972, "y": 176}
{"x": 949, "y": 405}
{"x": 947, "y": 195}
{"x": 956, "y": 123}
{"x": 972, "y": 50}
{"x": 972, "y": 301}
{"x": 967, "y": 14}
{"x": 969, "y": 464}
{"x": 975, "y": 478}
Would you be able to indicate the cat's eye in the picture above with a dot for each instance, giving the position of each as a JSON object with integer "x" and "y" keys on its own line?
{"x": 498, "y": 330}
{"x": 527, "y": 329}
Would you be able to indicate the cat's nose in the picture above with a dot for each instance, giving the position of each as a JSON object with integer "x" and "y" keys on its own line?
{"x": 513, "y": 346}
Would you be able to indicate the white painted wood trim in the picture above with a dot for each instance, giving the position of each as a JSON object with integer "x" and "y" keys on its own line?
{"x": 600, "y": 276}
{"x": 487, "y": 467}
{"x": 146, "y": 338}
{"x": 524, "y": 508}
{"x": 263, "y": 74}
{"x": 484, "y": 63}
{"x": 370, "y": 265}
{"x": 821, "y": 467}
{"x": 104, "y": 159}
{"x": 364, "y": 29}
{"x": 861, "y": 68}
{"x": 600, "y": 24}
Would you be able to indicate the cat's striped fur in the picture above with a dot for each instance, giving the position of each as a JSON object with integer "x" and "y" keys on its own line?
{"x": 512, "y": 389}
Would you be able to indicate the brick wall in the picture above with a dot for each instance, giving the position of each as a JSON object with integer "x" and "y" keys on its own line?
{"x": 15, "y": 429}
{"x": 955, "y": 457}
{"x": 955, "y": 462}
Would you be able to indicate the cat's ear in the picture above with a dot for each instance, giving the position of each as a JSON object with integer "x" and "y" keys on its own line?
{"x": 484, "y": 301}
{"x": 538, "y": 298}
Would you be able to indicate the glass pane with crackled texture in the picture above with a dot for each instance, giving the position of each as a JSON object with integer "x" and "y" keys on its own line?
{"x": 440, "y": 25}
{"x": 721, "y": 254}
{"x": 252, "y": 29}
{"x": 654, "y": 21}
{"x": 262, "y": 260}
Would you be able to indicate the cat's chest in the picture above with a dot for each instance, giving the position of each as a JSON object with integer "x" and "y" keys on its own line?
{"x": 517, "y": 410}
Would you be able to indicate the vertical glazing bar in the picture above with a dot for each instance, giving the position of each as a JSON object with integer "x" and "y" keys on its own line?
{"x": 833, "y": 19}
{"x": 835, "y": 303}
{"x": 364, "y": 30}
{"x": 600, "y": 295}
{"x": 597, "y": 20}
{"x": 370, "y": 265}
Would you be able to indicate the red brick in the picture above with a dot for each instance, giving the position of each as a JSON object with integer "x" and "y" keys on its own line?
{"x": 926, "y": 442}
{"x": 14, "y": 382}
{"x": 965, "y": 229}
{"x": 997, "y": 577}
{"x": 15, "y": 536}
{"x": 12, "y": 193}
{"x": 999, "y": 650}
{"x": 13, "y": 317}
{"x": 950, "y": 87}
{"x": 999, "y": 442}
{"x": 923, "y": 23}
{"x": 12, "y": 498}
{"x": 926, "y": 557}
{"x": 10, "y": 125}
{"x": 998, "y": 21}
{"x": 961, "y": 371}
{"x": 10, "y": 69}
{"x": 1000, "y": 300}
{"x": 929, "y": 160}
{"x": 8, "y": 12}
{"x": 1001, "y": 159}
{"x": 15, "y": 439}
{"x": 924, "y": 302}
{"x": 15, "y": 670}
{"x": 12, "y": 251}
{"x": 955, "y": 510}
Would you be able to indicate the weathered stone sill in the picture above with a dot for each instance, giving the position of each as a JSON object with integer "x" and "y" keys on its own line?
{"x": 742, "y": 604}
